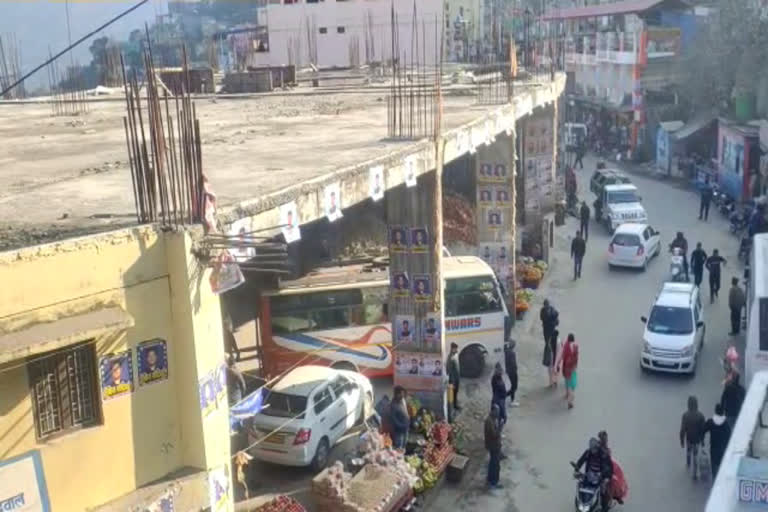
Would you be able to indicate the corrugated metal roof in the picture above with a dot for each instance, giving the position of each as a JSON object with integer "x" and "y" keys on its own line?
{"x": 611, "y": 9}
{"x": 694, "y": 126}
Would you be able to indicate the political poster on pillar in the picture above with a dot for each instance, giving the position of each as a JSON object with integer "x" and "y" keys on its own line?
{"x": 419, "y": 371}
{"x": 410, "y": 169}
{"x": 218, "y": 488}
{"x": 332, "y": 202}
{"x": 207, "y": 392}
{"x": 376, "y": 184}
{"x": 239, "y": 230}
{"x": 431, "y": 333}
{"x": 289, "y": 219}
{"x": 153, "y": 362}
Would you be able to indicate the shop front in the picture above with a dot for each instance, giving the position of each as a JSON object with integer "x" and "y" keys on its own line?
{"x": 738, "y": 158}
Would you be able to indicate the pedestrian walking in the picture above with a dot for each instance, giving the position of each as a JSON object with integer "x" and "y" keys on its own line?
{"x": 714, "y": 265}
{"x": 499, "y": 392}
{"x": 706, "y": 199}
{"x": 493, "y": 445}
{"x": 580, "y": 152}
{"x": 719, "y": 433}
{"x": 691, "y": 434}
{"x": 584, "y": 216}
{"x": 732, "y": 399}
{"x": 550, "y": 319}
{"x": 399, "y": 419}
{"x": 510, "y": 365}
{"x": 454, "y": 376}
{"x": 568, "y": 364}
{"x": 736, "y": 302}
{"x": 698, "y": 260}
{"x": 578, "y": 249}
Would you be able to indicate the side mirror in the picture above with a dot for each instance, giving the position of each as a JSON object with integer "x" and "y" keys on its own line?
{"x": 699, "y": 324}
{"x": 643, "y": 319}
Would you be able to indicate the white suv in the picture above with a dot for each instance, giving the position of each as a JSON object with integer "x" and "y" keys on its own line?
{"x": 306, "y": 412}
{"x": 674, "y": 331}
{"x": 622, "y": 204}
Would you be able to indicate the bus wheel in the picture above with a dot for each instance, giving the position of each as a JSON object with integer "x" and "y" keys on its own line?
{"x": 472, "y": 361}
{"x": 344, "y": 365}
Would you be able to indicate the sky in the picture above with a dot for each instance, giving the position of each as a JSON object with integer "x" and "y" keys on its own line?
{"x": 40, "y": 24}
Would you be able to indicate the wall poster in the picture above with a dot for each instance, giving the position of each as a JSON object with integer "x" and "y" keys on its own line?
{"x": 289, "y": 219}
{"x": 152, "y": 361}
{"x": 116, "y": 374}
{"x": 332, "y": 202}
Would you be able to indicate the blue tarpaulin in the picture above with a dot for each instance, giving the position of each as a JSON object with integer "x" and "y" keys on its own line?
{"x": 246, "y": 408}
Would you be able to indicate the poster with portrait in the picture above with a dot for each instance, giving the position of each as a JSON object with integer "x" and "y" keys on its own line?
{"x": 494, "y": 218}
{"x": 332, "y": 201}
{"x": 398, "y": 239}
{"x": 489, "y": 132}
{"x": 408, "y": 363}
{"x": 289, "y": 219}
{"x": 240, "y": 230}
{"x": 207, "y": 389}
{"x": 116, "y": 372}
{"x": 485, "y": 196}
{"x": 433, "y": 366}
{"x": 376, "y": 183}
{"x": 419, "y": 371}
{"x": 218, "y": 488}
{"x": 401, "y": 285}
{"x": 152, "y": 361}
{"x": 422, "y": 288}
{"x": 405, "y": 326}
{"x": 226, "y": 274}
{"x": 502, "y": 196}
{"x": 500, "y": 172}
{"x": 431, "y": 330}
{"x": 484, "y": 172}
{"x": 220, "y": 382}
{"x": 419, "y": 240}
{"x": 409, "y": 170}
{"x": 486, "y": 253}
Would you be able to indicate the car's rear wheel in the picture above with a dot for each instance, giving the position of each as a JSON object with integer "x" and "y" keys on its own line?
{"x": 320, "y": 460}
{"x": 472, "y": 361}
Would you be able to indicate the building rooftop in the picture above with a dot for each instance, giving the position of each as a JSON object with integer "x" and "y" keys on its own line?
{"x": 614, "y": 8}
{"x": 70, "y": 176}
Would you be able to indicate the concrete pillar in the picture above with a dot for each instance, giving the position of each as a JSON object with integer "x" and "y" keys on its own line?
{"x": 199, "y": 346}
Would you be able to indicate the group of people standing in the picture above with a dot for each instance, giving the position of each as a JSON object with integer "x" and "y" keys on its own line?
{"x": 694, "y": 427}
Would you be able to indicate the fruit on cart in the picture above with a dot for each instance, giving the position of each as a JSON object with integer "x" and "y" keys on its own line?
{"x": 281, "y": 504}
{"x": 541, "y": 265}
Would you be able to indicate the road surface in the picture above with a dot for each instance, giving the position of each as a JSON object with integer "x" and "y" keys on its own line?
{"x": 640, "y": 412}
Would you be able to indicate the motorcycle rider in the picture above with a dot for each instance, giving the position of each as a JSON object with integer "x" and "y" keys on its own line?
{"x": 681, "y": 243}
{"x": 597, "y": 460}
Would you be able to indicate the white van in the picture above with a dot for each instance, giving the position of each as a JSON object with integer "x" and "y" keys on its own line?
{"x": 674, "y": 330}
{"x": 756, "y": 353}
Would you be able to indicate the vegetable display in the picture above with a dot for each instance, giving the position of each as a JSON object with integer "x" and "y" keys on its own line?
{"x": 281, "y": 504}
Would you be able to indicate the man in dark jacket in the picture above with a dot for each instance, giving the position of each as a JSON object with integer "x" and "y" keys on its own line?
{"x": 732, "y": 398}
{"x": 597, "y": 460}
{"x": 499, "y": 392}
{"x": 736, "y": 302}
{"x": 399, "y": 419}
{"x": 510, "y": 365}
{"x": 454, "y": 374}
{"x": 584, "y": 217}
{"x": 706, "y": 199}
{"x": 578, "y": 249}
{"x": 713, "y": 265}
{"x": 493, "y": 445}
{"x": 698, "y": 260}
{"x": 549, "y": 320}
{"x": 692, "y": 434}
{"x": 719, "y": 433}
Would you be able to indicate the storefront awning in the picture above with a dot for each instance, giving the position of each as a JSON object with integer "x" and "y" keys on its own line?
{"x": 694, "y": 127}
{"x": 46, "y": 336}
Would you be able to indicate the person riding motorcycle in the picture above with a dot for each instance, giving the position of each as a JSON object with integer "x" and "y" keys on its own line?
{"x": 681, "y": 243}
{"x": 597, "y": 461}
{"x": 619, "y": 487}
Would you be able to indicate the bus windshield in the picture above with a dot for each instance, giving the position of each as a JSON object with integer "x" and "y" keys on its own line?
{"x": 472, "y": 296}
{"x": 332, "y": 309}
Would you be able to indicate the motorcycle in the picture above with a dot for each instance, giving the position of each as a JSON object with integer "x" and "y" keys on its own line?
{"x": 738, "y": 221}
{"x": 589, "y": 497}
{"x": 745, "y": 247}
{"x": 727, "y": 205}
{"x": 676, "y": 265}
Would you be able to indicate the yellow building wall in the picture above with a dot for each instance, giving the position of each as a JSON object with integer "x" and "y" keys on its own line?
{"x": 158, "y": 428}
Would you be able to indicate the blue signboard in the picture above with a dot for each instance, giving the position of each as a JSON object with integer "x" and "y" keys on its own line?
{"x": 753, "y": 481}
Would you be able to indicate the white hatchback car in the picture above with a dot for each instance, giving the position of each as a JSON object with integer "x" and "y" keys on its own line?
{"x": 306, "y": 412}
{"x": 633, "y": 245}
{"x": 674, "y": 331}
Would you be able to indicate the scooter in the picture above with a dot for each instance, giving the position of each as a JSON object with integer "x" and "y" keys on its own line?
{"x": 727, "y": 205}
{"x": 738, "y": 221}
{"x": 588, "y": 496}
{"x": 676, "y": 266}
{"x": 745, "y": 247}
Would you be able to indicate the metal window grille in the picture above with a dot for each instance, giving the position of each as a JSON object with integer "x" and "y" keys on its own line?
{"x": 64, "y": 390}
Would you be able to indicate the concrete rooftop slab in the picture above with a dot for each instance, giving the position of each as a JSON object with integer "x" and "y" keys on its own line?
{"x": 68, "y": 176}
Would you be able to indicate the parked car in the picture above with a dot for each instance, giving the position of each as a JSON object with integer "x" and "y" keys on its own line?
{"x": 674, "y": 331}
{"x": 633, "y": 245}
{"x": 306, "y": 412}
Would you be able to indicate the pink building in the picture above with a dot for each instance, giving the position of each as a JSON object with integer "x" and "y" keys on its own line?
{"x": 344, "y": 33}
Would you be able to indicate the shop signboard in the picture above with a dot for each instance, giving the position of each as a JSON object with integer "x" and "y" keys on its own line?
{"x": 753, "y": 482}
{"x": 22, "y": 484}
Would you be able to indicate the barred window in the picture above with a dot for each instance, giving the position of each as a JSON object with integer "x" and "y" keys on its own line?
{"x": 65, "y": 391}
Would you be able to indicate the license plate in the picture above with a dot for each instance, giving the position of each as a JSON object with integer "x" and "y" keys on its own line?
{"x": 275, "y": 438}
{"x": 665, "y": 365}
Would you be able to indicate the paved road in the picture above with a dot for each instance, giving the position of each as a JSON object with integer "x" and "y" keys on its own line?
{"x": 640, "y": 412}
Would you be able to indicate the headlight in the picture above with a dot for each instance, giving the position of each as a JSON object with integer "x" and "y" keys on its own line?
{"x": 646, "y": 347}
{"x": 688, "y": 351}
